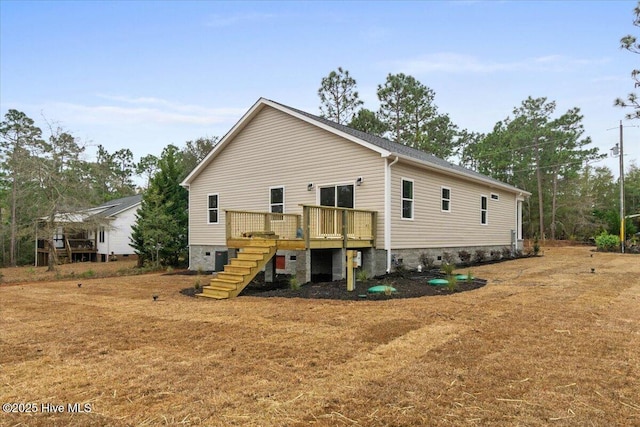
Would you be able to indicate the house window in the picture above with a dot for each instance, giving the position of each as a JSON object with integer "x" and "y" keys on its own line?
{"x": 213, "y": 208}
{"x": 407, "y": 199}
{"x": 495, "y": 196}
{"x": 446, "y": 199}
{"x": 276, "y": 200}
{"x": 483, "y": 210}
{"x": 339, "y": 196}
{"x": 101, "y": 235}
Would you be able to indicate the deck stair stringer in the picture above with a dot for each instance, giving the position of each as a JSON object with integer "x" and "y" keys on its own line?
{"x": 241, "y": 270}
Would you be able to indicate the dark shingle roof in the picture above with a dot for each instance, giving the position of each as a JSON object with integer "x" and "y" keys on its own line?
{"x": 401, "y": 149}
{"x": 117, "y": 205}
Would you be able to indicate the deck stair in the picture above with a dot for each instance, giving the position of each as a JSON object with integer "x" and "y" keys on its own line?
{"x": 240, "y": 271}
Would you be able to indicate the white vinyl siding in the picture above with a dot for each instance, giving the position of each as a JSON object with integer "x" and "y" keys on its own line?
{"x": 446, "y": 199}
{"x": 461, "y": 227}
{"x": 484, "y": 210}
{"x": 213, "y": 209}
{"x": 276, "y": 199}
{"x": 276, "y": 149}
{"x": 406, "y": 191}
{"x": 117, "y": 235}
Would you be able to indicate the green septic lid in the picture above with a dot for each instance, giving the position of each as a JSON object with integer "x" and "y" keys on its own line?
{"x": 380, "y": 289}
{"x": 438, "y": 282}
{"x": 463, "y": 277}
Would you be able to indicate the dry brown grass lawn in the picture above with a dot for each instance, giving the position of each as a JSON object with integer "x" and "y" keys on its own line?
{"x": 546, "y": 342}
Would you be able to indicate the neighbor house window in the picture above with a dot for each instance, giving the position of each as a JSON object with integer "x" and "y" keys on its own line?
{"x": 101, "y": 235}
{"x": 407, "y": 199}
{"x": 276, "y": 200}
{"x": 495, "y": 196}
{"x": 213, "y": 209}
{"x": 483, "y": 210}
{"x": 446, "y": 199}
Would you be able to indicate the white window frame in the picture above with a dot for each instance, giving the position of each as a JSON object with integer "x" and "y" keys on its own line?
{"x": 271, "y": 204}
{"x": 217, "y": 209}
{"x": 403, "y": 199}
{"x": 495, "y": 197}
{"x": 442, "y": 199}
{"x": 485, "y": 210}
{"x": 101, "y": 233}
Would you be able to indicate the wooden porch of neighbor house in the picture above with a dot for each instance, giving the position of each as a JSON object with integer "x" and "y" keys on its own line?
{"x": 71, "y": 247}
{"x": 259, "y": 235}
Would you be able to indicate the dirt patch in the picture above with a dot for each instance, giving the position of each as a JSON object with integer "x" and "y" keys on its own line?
{"x": 544, "y": 342}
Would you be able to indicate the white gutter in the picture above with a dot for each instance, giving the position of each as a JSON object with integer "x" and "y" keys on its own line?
{"x": 387, "y": 208}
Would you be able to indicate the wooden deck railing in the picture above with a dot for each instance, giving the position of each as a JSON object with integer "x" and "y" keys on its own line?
{"x": 316, "y": 223}
{"x": 244, "y": 224}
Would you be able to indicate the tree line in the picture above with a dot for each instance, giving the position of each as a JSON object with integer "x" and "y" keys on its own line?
{"x": 534, "y": 148}
{"x": 44, "y": 174}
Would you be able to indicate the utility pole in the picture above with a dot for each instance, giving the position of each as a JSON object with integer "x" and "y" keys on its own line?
{"x": 621, "y": 191}
{"x": 539, "y": 179}
{"x": 618, "y": 150}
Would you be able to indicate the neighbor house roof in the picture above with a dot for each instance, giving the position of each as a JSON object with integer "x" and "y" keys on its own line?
{"x": 105, "y": 210}
{"x": 114, "y": 207}
{"x": 385, "y": 147}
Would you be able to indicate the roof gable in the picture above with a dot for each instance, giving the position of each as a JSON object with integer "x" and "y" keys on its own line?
{"x": 383, "y": 146}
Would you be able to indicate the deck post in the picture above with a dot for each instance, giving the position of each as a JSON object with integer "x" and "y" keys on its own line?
{"x": 307, "y": 226}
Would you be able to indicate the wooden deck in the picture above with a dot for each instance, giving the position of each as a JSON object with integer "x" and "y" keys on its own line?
{"x": 319, "y": 227}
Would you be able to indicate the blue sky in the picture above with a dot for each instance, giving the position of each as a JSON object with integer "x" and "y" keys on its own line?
{"x": 143, "y": 75}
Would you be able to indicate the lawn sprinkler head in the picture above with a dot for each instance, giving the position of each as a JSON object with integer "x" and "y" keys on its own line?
{"x": 155, "y": 297}
{"x": 593, "y": 270}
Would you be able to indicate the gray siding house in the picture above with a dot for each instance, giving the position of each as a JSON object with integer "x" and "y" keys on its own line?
{"x": 309, "y": 189}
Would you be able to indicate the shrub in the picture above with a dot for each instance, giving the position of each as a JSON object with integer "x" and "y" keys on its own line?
{"x": 447, "y": 257}
{"x": 536, "y": 246}
{"x": 427, "y": 261}
{"x": 518, "y": 253}
{"x": 447, "y": 268}
{"x": 401, "y": 270}
{"x": 361, "y": 275}
{"x": 506, "y": 252}
{"x": 495, "y": 255}
{"x": 197, "y": 285}
{"x": 607, "y": 242}
{"x": 452, "y": 282}
{"x": 293, "y": 283}
{"x": 480, "y": 255}
{"x": 464, "y": 256}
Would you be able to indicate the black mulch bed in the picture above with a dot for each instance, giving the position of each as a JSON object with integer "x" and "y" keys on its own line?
{"x": 413, "y": 285}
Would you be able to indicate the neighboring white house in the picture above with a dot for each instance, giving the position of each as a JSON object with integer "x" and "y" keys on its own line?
{"x": 94, "y": 234}
{"x": 318, "y": 188}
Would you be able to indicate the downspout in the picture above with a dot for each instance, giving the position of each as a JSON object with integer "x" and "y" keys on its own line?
{"x": 387, "y": 209}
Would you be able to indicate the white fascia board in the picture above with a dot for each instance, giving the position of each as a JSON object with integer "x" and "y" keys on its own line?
{"x": 457, "y": 174}
{"x": 224, "y": 141}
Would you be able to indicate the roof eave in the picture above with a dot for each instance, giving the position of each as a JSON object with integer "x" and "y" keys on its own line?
{"x": 253, "y": 111}
{"x": 452, "y": 172}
